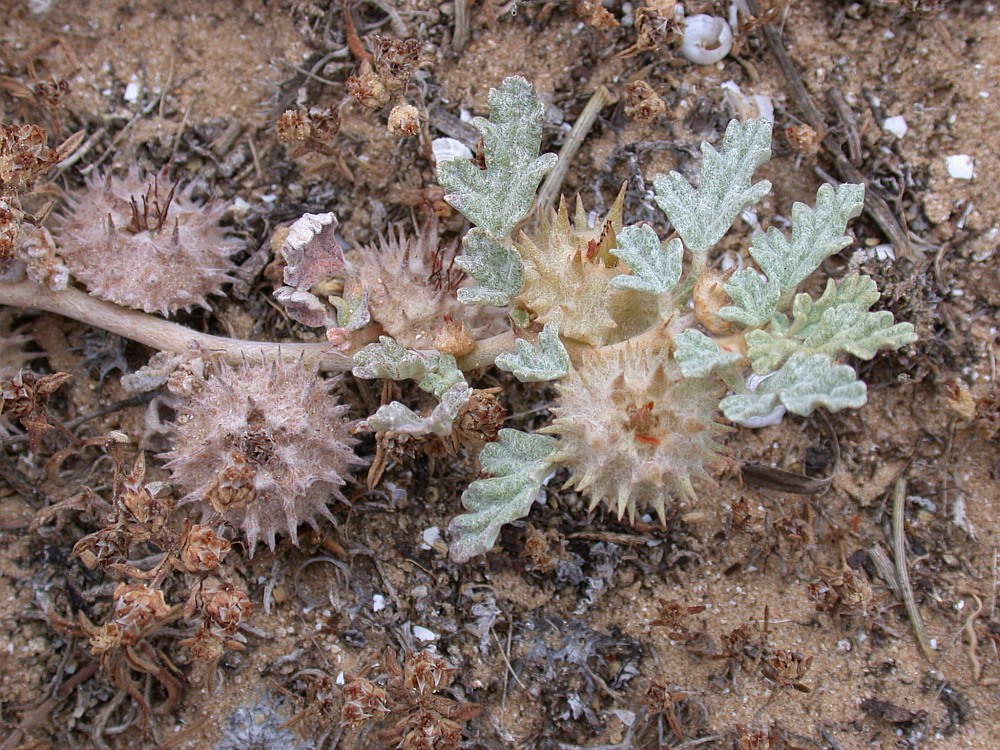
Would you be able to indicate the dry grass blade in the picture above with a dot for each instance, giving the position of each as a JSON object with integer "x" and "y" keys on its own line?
{"x": 780, "y": 480}
{"x": 553, "y": 182}
{"x": 903, "y": 571}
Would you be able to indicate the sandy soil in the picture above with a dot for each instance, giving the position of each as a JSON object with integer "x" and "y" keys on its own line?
{"x": 558, "y": 660}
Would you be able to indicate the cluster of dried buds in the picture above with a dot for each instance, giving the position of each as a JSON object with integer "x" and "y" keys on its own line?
{"x": 477, "y": 423}
{"x": 24, "y": 158}
{"x": 121, "y": 643}
{"x": 383, "y": 80}
{"x": 421, "y": 719}
{"x": 843, "y": 593}
{"x": 24, "y": 396}
{"x": 222, "y": 606}
{"x": 309, "y": 130}
{"x": 137, "y": 517}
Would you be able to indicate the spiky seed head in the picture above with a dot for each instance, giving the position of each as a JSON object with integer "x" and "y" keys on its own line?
{"x": 267, "y": 447}
{"x": 144, "y": 243}
{"x": 634, "y": 432}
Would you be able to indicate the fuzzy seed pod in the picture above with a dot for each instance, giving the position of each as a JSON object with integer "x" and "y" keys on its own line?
{"x": 266, "y": 447}
{"x": 404, "y": 120}
{"x": 634, "y": 431}
{"x": 141, "y": 243}
{"x": 411, "y": 283}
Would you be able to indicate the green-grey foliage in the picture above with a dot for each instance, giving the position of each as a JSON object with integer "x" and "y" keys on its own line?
{"x": 755, "y": 298}
{"x": 498, "y": 197}
{"x": 702, "y": 216}
{"x": 698, "y": 355}
{"x": 655, "y": 270}
{"x": 805, "y": 382}
{"x": 837, "y": 323}
{"x": 352, "y": 309}
{"x": 495, "y": 264}
{"x": 532, "y": 364}
{"x": 397, "y": 417}
{"x": 776, "y": 351}
{"x": 817, "y": 233}
{"x": 518, "y": 465}
{"x": 435, "y": 373}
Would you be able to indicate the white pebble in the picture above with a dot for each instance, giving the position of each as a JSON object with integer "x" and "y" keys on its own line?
{"x": 132, "y": 91}
{"x": 423, "y": 634}
{"x": 449, "y": 149}
{"x": 961, "y": 166}
{"x": 431, "y": 535}
{"x": 895, "y": 125}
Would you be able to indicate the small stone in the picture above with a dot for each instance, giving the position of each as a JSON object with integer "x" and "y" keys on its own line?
{"x": 961, "y": 166}
{"x": 937, "y": 208}
{"x": 895, "y": 125}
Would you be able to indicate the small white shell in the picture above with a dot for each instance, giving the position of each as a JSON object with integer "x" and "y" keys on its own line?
{"x": 707, "y": 39}
{"x": 449, "y": 149}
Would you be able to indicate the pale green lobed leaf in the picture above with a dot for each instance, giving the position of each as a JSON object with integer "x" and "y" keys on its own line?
{"x": 655, "y": 269}
{"x": 397, "y": 417}
{"x": 519, "y": 465}
{"x": 837, "y": 323}
{"x": 855, "y": 290}
{"x": 352, "y": 308}
{"x": 755, "y": 298}
{"x": 698, "y": 355}
{"x": 817, "y": 233}
{"x": 495, "y": 264}
{"x": 435, "y": 373}
{"x": 533, "y": 364}
{"x": 701, "y": 217}
{"x": 858, "y": 333}
{"x": 498, "y": 197}
{"x": 806, "y": 382}
{"x": 387, "y": 359}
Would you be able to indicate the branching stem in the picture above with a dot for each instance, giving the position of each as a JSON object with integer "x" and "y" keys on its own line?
{"x": 162, "y": 334}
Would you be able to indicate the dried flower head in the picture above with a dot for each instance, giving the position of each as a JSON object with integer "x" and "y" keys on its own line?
{"x": 24, "y": 157}
{"x": 137, "y": 607}
{"x": 309, "y": 130}
{"x": 634, "y": 431}
{"x": 266, "y": 447}
{"x": 364, "y": 701}
{"x": 409, "y": 283}
{"x": 203, "y": 550}
{"x": 642, "y": 103}
{"x": 142, "y": 243}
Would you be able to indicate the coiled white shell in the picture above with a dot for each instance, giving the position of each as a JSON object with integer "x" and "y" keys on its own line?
{"x": 707, "y": 39}
{"x": 449, "y": 149}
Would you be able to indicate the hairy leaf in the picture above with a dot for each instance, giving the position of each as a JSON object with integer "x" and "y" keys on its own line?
{"x": 698, "y": 355}
{"x": 703, "y": 216}
{"x": 495, "y": 264}
{"x": 500, "y": 196}
{"x": 352, "y": 308}
{"x": 816, "y": 234}
{"x": 435, "y": 373}
{"x": 756, "y": 298}
{"x": 806, "y": 382}
{"x": 518, "y": 464}
{"x": 654, "y": 269}
{"x": 397, "y": 417}
{"x": 837, "y": 323}
{"x": 532, "y": 364}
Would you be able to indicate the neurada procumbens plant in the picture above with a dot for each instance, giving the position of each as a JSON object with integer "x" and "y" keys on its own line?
{"x": 649, "y": 347}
